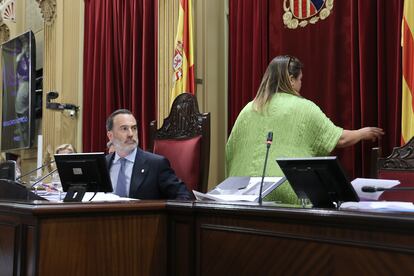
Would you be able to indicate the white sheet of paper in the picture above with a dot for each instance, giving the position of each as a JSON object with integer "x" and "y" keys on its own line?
{"x": 105, "y": 197}
{"x": 234, "y": 197}
{"x": 54, "y": 196}
{"x": 247, "y": 192}
{"x": 397, "y": 206}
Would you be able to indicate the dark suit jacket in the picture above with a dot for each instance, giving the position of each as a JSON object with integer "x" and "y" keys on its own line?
{"x": 153, "y": 178}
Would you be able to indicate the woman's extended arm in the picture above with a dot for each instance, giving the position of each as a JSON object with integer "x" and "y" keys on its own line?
{"x": 351, "y": 137}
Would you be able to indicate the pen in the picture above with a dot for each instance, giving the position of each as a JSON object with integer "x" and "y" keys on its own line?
{"x": 50, "y": 187}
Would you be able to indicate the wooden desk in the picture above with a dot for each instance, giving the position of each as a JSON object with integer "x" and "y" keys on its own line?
{"x": 192, "y": 238}
{"x": 223, "y": 239}
{"x": 83, "y": 238}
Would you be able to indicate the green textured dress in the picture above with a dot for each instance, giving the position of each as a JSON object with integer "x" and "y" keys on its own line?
{"x": 300, "y": 129}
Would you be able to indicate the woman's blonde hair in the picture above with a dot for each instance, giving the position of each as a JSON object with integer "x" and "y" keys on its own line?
{"x": 276, "y": 79}
{"x": 63, "y": 147}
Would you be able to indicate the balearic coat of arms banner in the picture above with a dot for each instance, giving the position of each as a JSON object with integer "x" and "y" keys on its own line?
{"x": 299, "y": 13}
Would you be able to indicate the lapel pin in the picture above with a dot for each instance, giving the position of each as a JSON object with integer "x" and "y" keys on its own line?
{"x": 142, "y": 171}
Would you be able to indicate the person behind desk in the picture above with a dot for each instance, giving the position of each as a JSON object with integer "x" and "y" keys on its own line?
{"x": 65, "y": 149}
{"x": 61, "y": 149}
{"x": 136, "y": 173}
{"x": 300, "y": 128}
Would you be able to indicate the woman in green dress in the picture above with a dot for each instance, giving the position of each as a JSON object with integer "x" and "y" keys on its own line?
{"x": 299, "y": 127}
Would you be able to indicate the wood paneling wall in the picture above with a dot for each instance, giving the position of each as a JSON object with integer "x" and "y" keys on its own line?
{"x": 63, "y": 63}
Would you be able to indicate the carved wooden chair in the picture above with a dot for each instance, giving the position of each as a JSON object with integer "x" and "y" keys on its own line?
{"x": 184, "y": 139}
{"x": 400, "y": 166}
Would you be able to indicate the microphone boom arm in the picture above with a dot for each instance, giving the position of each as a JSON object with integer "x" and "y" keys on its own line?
{"x": 35, "y": 170}
{"x": 268, "y": 144}
{"x": 43, "y": 177}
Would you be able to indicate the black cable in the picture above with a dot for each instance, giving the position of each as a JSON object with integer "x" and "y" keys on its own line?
{"x": 93, "y": 196}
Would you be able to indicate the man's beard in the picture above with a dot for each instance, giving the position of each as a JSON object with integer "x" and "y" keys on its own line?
{"x": 122, "y": 147}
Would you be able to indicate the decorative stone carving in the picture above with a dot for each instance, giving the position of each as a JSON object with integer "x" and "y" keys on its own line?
{"x": 401, "y": 158}
{"x": 48, "y": 9}
{"x": 4, "y": 33}
{"x": 8, "y": 10}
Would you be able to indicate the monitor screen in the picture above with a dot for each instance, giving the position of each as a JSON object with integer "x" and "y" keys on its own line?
{"x": 319, "y": 179}
{"x": 87, "y": 170}
{"x": 18, "y": 71}
{"x": 8, "y": 170}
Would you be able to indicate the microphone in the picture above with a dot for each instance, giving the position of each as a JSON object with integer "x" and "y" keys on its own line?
{"x": 43, "y": 177}
{"x": 35, "y": 170}
{"x": 268, "y": 144}
{"x": 374, "y": 189}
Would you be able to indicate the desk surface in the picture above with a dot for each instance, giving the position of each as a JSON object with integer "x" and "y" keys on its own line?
{"x": 47, "y": 207}
{"x": 286, "y": 211}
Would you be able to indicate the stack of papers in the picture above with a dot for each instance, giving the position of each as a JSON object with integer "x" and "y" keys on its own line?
{"x": 396, "y": 206}
{"x": 241, "y": 189}
{"x": 58, "y": 197}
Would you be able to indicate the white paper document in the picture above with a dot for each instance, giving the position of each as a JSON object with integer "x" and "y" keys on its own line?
{"x": 105, "y": 197}
{"x": 358, "y": 183}
{"x": 56, "y": 196}
{"x": 395, "y": 206}
{"x": 241, "y": 189}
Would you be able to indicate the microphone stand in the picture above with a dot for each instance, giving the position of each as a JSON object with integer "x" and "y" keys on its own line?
{"x": 34, "y": 170}
{"x": 268, "y": 144}
{"x": 43, "y": 177}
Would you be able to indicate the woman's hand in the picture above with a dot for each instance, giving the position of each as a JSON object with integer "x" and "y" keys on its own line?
{"x": 371, "y": 133}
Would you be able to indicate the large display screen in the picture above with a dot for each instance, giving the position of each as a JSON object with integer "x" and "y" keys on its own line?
{"x": 18, "y": 95}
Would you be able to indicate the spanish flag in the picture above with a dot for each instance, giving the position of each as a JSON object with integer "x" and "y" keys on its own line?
{"x": 407, "y": 42}
{"x": 183, "y": 58}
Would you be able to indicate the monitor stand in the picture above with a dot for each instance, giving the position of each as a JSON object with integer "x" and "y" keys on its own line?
{"x": 75, "y": 193}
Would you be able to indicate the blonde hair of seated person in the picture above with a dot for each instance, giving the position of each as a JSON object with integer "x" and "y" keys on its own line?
{"x": 61, "y": 149}
{"x": 65, "y": 148}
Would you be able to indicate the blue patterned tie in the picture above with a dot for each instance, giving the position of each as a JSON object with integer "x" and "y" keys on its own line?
{"x": 121, "y": 184}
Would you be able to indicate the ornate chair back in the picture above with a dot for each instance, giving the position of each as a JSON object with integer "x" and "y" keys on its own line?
{"x": 399, "y": 166}
{"x": 184, "y": 139}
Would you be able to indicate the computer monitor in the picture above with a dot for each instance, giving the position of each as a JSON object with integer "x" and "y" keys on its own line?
{"x": 319, "y": 179}
{"x": 8, "y": 170}
{"x": 18, "y": 57}
{"x": 83, "y": 172}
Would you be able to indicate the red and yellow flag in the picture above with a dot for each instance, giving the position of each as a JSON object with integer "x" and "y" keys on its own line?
{"x": 407, "y": 42}
{"x": 183, "y": 59}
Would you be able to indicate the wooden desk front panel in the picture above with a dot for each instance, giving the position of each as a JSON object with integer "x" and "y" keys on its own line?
{"x": 17, "y": 245}
{"x": 125, "y": 238}
{"x": 244, "y": 245}
{"x": 104, "y": 245}
{"x": 8, "y": 233}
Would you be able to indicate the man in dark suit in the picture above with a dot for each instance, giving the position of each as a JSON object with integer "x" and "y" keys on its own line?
{"x": 134, "y": 172}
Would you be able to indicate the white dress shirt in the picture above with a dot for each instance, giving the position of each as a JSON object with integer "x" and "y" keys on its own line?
{"x": 116, "y": 165}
